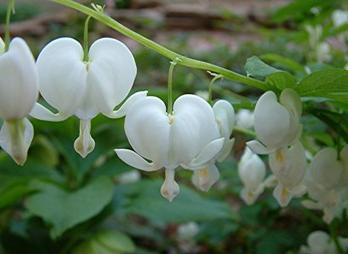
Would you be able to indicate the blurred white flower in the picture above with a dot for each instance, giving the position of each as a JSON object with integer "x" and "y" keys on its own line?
{"x": 319, "y": 242}
{"x": 323, "y": 52}
{"x": 129, "y": 177}
{"x": 324, "y": 177}
{"x": 288, "y": 166}
{"x": 18, "y": 94}
{"x": 340, "y": 17}
{"x": 252, "y": 172}
{"x": 245, "y": 119}
{"x": 204, "y": 178}
{"x": 277, "y": 124}
{"x": 189, "y": 137}
{"x": 85, "y": 89}
{"x": 187, "y": 231}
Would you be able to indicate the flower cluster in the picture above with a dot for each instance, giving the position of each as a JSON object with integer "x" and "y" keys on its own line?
{"x": 278, "y": 129}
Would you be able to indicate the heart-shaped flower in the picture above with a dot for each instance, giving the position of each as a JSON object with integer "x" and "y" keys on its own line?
{"x": 189, "y": 137}
{"x": 323, "y": 181}
{"x": 288, "y": 166}
{"x": 85, "y": 89}
{"x": 204, "y": 178}
{"x": 252, "y": 173}
{"x": 277, "y": 124}
{"x": 18, "y": 93}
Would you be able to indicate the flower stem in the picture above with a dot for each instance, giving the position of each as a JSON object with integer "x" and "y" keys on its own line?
{"x": 170, "y": 85}
{"x": 10, "y": 10}
{"x": 335, "y": 239}
{"x": 85, "y": 40}
{"x": 185, "y": 61}
{"x": 210, "y": 88}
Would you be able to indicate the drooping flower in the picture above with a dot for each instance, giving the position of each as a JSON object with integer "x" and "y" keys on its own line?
{"x": 207, "y": 176}
{"x": 245, "y": 119}
{"x": 340, "y": 17}
{"x": 277, "y": 124}
{"x": 252, "y": 172}
{"x": 18, "y": 93}
{"x": 319, "y": 242}
{"x": 85, "y": 89}
{"x": 189, "y": 137}
{"x": 288, "y": 166}
{"x": 323, "y": 181}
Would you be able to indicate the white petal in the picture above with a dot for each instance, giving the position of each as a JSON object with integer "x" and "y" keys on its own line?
{"x": 135, "y": 160}
{"x": 84, "y": 144}
{"x": 225, "y": 117}
{"x": 282, "y": 195}
{"x": 251, "y": 169}
{"x": 272, "y": 121}
{"x": 62, "y": 74}
{"x": 325, "y": 169}
{"x": 292, "y": 102}
{"x": 111, "y": 75}
{"x": 192, "y": 128}
{"x": 206, "y": 155}
{"x": 257, "y": 147}
{"x": 289, "y": 165}
{"x": 226, "y": 150}
{"x": 170, "y": 189}
{"x": 122, "y": 111}
{"x": 42, "y": 113}
{"x": 147, "y": 128}
{"x": 2, "y": 46}
{"x": 15, "y": 139}
{"x": 18, "y": 82}
{"x": 206, "y": 177}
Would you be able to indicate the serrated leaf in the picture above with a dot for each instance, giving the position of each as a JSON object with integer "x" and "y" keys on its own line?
{"x": 329, "y": 83}
{"x": 63, "y": 210}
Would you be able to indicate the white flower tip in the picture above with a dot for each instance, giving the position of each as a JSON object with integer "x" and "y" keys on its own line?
{"x": 203, "y": 179}
{"x": 84, "y": 144}
{"x": 170, "y": 189}
{"x": 282, "y": 195}
{"x": 15, "y": 139}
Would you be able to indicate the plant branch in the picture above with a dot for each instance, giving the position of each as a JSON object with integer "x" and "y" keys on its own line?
{"x": 185, "y": 61}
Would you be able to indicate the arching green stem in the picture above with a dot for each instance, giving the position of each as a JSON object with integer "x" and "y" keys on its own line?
{"x": 170, "y": 85}
{"x": 185, "y": 61}
{"x": 85, "y": 40}
{"x": 10, "y": 10}
{"x": 210, "y": 88}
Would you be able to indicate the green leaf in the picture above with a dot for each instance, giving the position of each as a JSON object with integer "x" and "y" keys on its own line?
{"x": 143, "y": 198}
{"x": 284, "y": 62}
{"x": 255, "y": 67}
{"x": 281, "y": 80}
{"x": 329, "y": 83}
{"x": 116, "y": 241}
{"x": 106, "y": 242}
{"x": 63, "y": 209}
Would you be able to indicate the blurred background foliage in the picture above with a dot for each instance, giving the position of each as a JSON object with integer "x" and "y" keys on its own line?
{"x": 60, "y": 203}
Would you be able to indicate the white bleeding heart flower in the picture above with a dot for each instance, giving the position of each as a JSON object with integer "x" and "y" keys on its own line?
{"x": 288, "y": 166}
{"x": 323, "y": 181}
{"x": 189, "y": 137}
{"x": 252, "y": 172}
{"x": 319, "y": 242}
{"x": 277, "y": 124}
{"x": 245, "y": 119}
{"x": 85, "y": 89}
{"x": 340, "y": 17}
{"x": 206, "y": 177}
{"x": 18, "y": 94}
